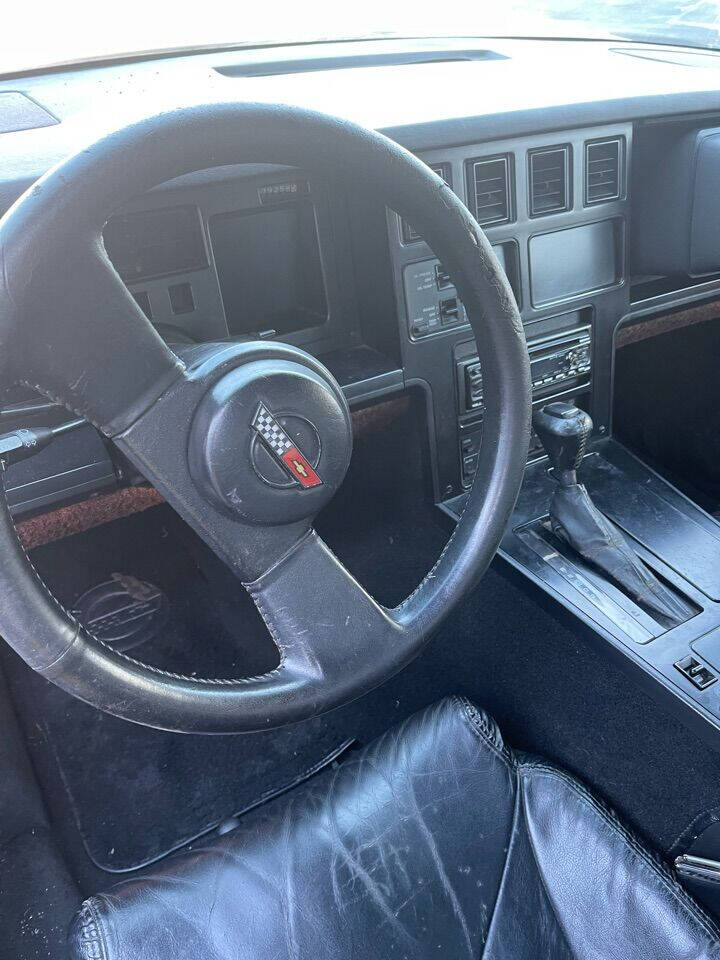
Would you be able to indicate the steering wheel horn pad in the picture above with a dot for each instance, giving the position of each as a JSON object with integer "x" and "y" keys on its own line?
{"x": 201, "y": 426}
{"x": 271, "y": 439}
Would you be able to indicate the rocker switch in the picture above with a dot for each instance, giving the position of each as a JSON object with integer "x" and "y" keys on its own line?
{"x": 696, "y": 672}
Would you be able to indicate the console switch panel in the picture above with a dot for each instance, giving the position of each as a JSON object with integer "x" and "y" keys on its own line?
{"x": 696, "y": 672}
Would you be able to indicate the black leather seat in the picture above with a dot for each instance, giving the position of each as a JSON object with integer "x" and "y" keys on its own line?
{"x": 434, "y": 842}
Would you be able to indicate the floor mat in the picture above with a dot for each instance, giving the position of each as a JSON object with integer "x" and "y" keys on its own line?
{"x": 135, "y": 794}
{"x": 138, "y": 794}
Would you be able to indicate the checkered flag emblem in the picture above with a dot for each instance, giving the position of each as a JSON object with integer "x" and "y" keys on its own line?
{"x": 271, "y": 431}
{"x": 283, "y": 448}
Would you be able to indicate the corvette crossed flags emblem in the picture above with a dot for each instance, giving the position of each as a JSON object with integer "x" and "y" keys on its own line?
{"x": 284, "y": 449}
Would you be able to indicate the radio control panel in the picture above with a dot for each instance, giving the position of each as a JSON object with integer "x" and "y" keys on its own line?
{"x": 559, "y": 359}
{"x": 560, "y": 362}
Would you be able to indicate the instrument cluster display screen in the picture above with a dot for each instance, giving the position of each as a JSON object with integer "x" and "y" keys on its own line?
{"x": 269, "y": 268}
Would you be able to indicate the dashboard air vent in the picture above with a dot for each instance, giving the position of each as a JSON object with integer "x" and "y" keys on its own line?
{"x": 602, "y": 170}
{"x": 549, "y": 176}
{"x": 409, "y": 234}
{"x": 490, "y": 188}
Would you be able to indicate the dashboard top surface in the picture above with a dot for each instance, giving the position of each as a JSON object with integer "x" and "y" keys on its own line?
{"x": 509, "y": 86}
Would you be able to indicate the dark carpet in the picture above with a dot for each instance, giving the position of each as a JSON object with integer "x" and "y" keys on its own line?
{"x": 37, "y": 893}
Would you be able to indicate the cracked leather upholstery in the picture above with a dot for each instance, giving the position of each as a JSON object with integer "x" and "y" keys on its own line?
{"x": 435, "y": 841}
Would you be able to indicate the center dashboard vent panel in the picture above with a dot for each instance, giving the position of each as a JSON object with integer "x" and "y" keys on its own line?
{"x": 549, "y": 180}
{"x": 602, "y": 170}
{"x": 490, "y": 189}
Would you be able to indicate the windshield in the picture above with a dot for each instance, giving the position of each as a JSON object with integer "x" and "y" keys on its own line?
{"x": 52, "y": 32}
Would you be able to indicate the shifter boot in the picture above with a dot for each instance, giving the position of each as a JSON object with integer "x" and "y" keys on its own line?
{"x": 564, "y": 431}
{"x": 576, "y": 519}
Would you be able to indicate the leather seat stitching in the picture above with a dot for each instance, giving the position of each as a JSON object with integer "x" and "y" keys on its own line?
{"x": 472, "y": 719}
{"x": 100, "y": 936}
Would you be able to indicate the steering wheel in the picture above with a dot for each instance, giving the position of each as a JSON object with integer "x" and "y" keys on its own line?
{"x": 247, "y": 441}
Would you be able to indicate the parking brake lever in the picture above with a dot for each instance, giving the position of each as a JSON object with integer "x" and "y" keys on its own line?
{"x": 564, "y": 431}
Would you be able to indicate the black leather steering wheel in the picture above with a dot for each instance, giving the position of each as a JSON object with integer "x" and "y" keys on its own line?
{"x": 206, "y": 430}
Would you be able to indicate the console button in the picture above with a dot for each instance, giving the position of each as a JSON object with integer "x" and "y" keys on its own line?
{"x": 696, "y": 672}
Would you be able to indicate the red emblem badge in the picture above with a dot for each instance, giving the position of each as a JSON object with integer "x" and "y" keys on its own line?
{"x": 282, "y": 447}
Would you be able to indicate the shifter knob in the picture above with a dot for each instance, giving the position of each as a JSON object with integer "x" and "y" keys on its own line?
{"x": 563, "y": 430}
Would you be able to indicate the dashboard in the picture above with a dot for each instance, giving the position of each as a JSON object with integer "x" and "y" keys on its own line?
{"x": 547, "y": 167}
{"x": 593, "y": 168}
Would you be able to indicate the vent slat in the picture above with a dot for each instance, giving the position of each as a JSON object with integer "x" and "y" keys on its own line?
{"x": 602, "y": 171}
{"x": 491, "y": 189}
{"x": 549, "y": 181}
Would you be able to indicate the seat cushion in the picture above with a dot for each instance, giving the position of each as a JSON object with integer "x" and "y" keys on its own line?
{"x": 435, "y": 841}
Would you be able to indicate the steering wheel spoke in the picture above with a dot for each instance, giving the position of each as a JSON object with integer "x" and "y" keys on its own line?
{"x": 82, "y": 338}
{"x": 326, "y": 626}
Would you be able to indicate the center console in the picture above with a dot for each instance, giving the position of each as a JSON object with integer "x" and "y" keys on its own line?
{"x": 677, "y": 542}
{"x": 556, "y": 210}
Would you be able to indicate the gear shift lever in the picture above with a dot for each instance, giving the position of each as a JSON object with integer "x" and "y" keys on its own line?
{"x": 564, "y": 431}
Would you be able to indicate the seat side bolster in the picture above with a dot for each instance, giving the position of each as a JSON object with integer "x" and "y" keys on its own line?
{"x": 611, "y": 897}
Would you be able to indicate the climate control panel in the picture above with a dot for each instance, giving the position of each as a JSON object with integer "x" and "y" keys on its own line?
{"x": 431, "y": 298}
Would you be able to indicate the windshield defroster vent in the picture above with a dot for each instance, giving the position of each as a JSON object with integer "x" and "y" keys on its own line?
{"x": 549, "y": 176}
{"x": 490, "y": 188}
{"x": 602, "y": 170}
